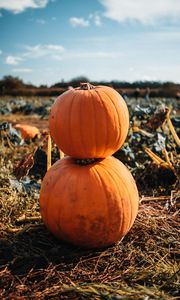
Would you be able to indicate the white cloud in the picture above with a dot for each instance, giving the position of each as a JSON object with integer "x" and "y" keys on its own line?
{"x": 96, "y": 19}
{"x": 1, "y": 52}
{"x": 43, "y": 50}
{"x": 131, "y": 69}
{"x": 41, "y": 21}
{"x": 81, "y": 22}
{"x": 164, "y": 36}
{"x": 94, "y": 55}
{"x": 50, "y": 51}
{"x": 18, "y": 6}
{"x": 54, "y": 47}
{"x": 56, "y": 57}
{"x": 144, "y": 11}
{"x": 78, "y": 22}
{"x": 22, "y": 70}
{"x": 13, "y": 60}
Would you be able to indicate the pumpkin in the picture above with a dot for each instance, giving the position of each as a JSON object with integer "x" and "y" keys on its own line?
{"x": 27, "y": 131}
{"x": 89, "y": 121}
{"x": 90, "y": 206}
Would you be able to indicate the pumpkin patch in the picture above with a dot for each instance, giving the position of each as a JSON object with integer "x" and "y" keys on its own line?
{"x": 39, "y": 262}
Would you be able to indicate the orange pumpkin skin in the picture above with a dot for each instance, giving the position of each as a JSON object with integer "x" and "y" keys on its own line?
{"x": 91, "y": 206}
{"x": 88, "y": 123}
{"x": 27, "y": 131}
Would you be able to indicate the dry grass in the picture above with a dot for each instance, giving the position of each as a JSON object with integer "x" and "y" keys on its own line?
{"x": 34, "y": 265}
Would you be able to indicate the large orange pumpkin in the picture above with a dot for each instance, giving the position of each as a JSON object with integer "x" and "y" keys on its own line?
{"x": 89, "y": 121}
{"x": 90, "y": 206}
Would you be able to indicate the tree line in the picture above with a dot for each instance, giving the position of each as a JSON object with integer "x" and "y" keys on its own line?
{"x": 15, "y": 86}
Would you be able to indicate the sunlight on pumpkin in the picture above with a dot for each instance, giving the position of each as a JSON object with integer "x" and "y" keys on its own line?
{"x": 49, "y": 152}
{"x": 61, "y": 154}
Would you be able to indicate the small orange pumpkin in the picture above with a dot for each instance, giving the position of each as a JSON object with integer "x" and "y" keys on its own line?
{"x": 89, "y": 121}
{"x": 27, "y": 131}
{"x": 90, "y": 206}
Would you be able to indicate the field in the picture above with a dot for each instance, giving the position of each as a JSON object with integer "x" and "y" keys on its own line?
{"x": 144, "y": 265}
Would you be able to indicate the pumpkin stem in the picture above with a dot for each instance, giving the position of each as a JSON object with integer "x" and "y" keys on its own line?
{"x": 86, "y": 86}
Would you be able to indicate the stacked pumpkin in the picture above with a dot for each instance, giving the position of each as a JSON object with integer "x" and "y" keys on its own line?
{"x": 89, "y": 198}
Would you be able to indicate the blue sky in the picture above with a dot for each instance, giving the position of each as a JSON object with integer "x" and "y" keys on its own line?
{"x": 46, "y": 41}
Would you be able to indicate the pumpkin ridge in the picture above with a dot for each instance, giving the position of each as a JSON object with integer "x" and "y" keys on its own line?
{"x": 95, "y": 131}
{"x": 121, "y": 210}
{"x": 122, "y": 182}
{"x": 80, "y": 127}
{"x": 103, "y": 185}
{"x": 60, "y": 213}
{"x": 136, "y": 192}
{"x": 47, "y": 202}
{"x": 93, "y": 110}
{"x": 129, "y": 197}
{"x": 118, "y": 138}
{"x": 56, "y": 121}
{"x": 52, "y": 190}
{"x": 86, "y": 179}
{"x": 118, "y": 191}
{"x": 67, "y": 183}
{"x": 126, "y": 113}
{"x": 70, "y": 127}
{"x": 106, "y": 138}
{"x": 53, "y": 117}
